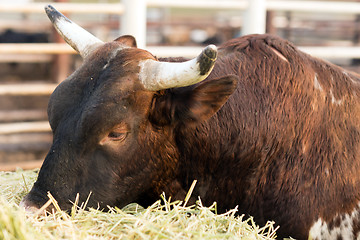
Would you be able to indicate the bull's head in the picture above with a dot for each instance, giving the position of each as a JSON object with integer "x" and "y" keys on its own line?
{"x": 113, "y": 120}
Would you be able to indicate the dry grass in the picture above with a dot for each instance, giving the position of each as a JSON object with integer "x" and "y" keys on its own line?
{"x": 163, "y": 220}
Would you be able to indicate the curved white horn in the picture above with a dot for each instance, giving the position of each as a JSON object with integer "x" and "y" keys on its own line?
{"x": 77, "y": 37}
{"x": 156, "y": 75}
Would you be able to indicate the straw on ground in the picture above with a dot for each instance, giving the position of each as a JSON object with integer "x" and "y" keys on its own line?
{"x": 165, "y": 219}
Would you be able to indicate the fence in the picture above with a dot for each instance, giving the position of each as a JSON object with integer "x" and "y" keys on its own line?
{"x": 134, "y": 12}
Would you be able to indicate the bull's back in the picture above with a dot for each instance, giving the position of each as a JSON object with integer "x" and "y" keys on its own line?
{"x": 292, "y": 126}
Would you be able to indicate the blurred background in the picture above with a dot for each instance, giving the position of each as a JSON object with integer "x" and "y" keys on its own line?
{"x": 33, "y": 58}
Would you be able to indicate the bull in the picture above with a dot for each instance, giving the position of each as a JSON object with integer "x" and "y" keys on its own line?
{"x": 260, "y": 125}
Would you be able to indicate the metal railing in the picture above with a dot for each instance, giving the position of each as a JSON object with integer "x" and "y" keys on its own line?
{"x": 123, "y": 9}
{"x": 138, "y": 29}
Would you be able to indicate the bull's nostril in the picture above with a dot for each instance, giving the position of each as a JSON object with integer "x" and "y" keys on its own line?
{"x": 30, "y": 207}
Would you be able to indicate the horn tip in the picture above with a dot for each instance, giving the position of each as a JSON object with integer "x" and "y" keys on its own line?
{"x": 206, "y": 59}
{"x": 49, "y": 8}
{"x": 54, "y": 14}
{"x": 212, "y": 46}
{"x": 211, "y": 51}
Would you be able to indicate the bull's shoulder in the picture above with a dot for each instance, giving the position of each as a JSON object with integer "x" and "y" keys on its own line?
{"x": 265, "y": 43}
{"x": 261, "y": 53}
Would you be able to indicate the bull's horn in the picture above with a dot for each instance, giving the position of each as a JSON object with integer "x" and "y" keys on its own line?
{"x": 163, "y": 75}
{"x": 77, "y": 37}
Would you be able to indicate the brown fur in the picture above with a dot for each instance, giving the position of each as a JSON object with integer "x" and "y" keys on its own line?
{"x": 299, "y": 150}
{"x": 271, "y": 130}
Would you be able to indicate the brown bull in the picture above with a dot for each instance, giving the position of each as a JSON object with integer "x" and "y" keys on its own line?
{"x": 267, "y": 128}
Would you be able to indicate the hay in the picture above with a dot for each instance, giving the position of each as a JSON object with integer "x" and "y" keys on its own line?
{"x": 163, "y": 220}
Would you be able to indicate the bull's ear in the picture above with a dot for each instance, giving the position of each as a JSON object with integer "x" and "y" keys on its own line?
{"x": 127, "y": 40}
{"x": 192, "y": 104}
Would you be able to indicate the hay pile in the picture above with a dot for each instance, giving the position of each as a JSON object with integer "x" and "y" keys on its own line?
{"x": 162, "y": 220}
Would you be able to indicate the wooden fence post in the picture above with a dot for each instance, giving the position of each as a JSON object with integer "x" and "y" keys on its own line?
{"x": 133, "y": 21}
{"x": 61, "y": 64}
{"x": 255, "y": 17}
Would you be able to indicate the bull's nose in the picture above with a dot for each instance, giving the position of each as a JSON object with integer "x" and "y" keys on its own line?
{"x": 30, "y": 207}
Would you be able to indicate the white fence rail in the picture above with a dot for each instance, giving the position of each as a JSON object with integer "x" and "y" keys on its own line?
{"x": 340, "y": 7}
{"x": 88, "y": 8}
{"x": 332, "y": 52}
{"x": 135, "y": 20}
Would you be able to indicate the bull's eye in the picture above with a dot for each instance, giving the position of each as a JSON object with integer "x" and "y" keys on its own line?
{"x": 117, "y": 136}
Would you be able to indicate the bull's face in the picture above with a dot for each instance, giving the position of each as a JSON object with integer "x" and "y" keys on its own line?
{"x": 112, "y": 121}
